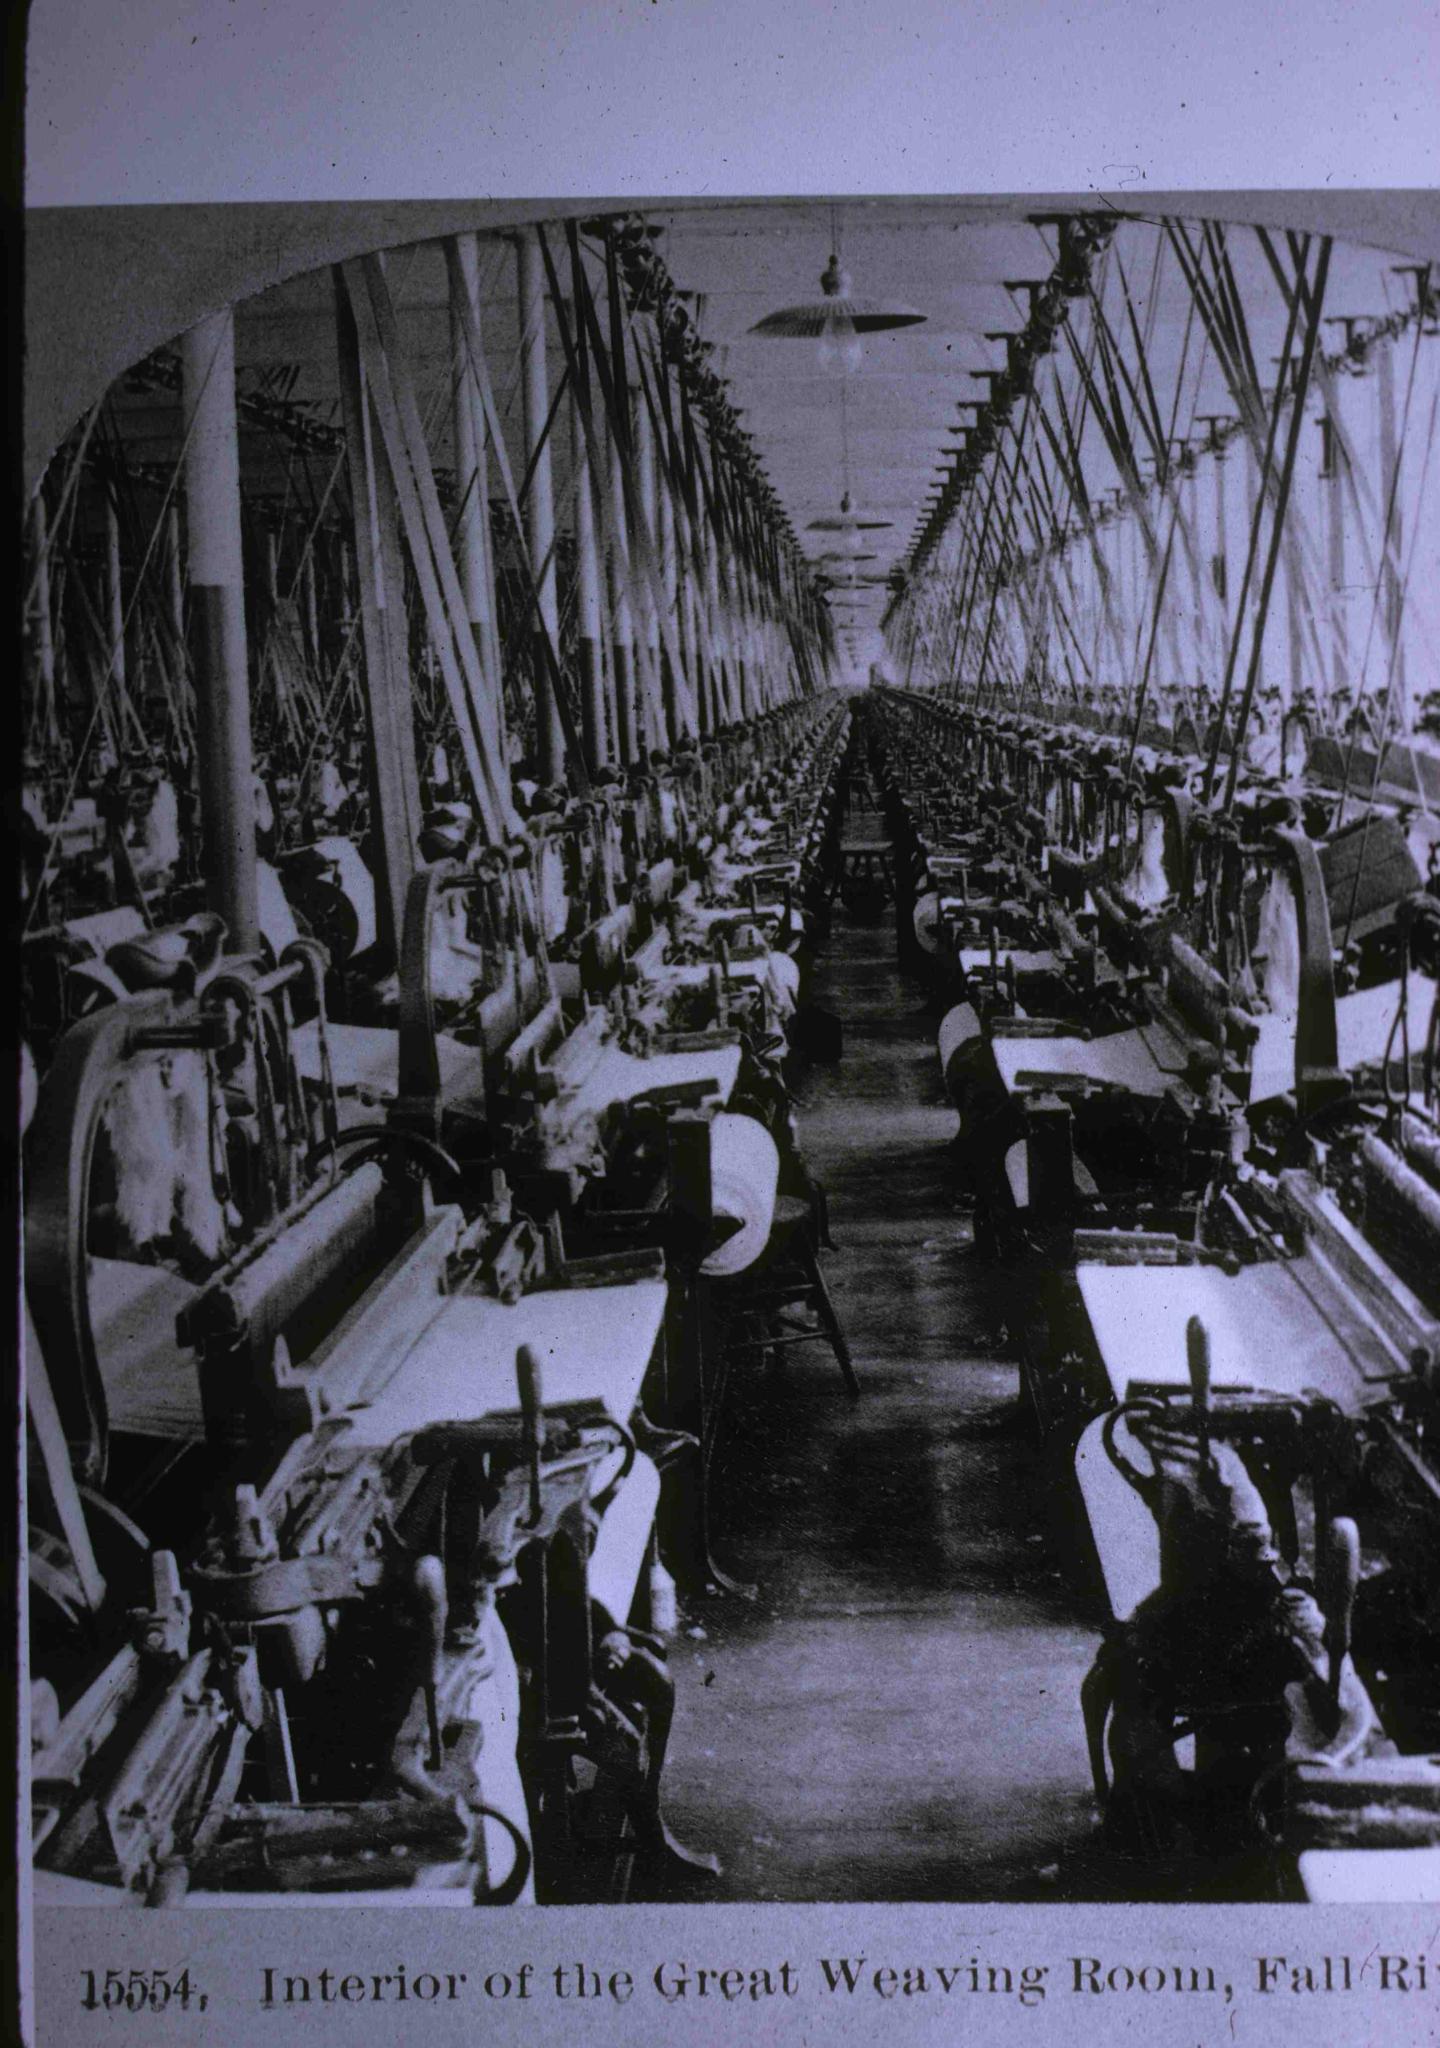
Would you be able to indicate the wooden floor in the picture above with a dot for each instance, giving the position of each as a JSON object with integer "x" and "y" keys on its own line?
{"x": 896, "y": 1716}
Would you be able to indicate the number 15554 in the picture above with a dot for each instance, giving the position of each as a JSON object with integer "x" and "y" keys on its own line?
{"x": 140, "y": 1991}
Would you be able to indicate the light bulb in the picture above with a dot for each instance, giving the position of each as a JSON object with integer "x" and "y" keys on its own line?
{"x": 839, "y": 343}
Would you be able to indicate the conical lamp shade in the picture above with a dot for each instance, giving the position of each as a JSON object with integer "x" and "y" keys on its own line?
{"x": 846, "y": 522}
{"x": 818, "y": 317}
{"x": 837, "y": 312}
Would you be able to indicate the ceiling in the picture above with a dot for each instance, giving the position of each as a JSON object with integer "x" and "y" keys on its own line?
{"x": 889, "y": 414}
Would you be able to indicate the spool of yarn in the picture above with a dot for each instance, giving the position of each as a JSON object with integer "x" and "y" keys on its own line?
{"x": 744, "y": 1171}
{"x": 958, "y": 1028}
{"x": 927, "y": 922}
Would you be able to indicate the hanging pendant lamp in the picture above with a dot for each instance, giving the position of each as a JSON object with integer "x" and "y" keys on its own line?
{"x": 846, "y": 521}
{"x": 837, "y": 318}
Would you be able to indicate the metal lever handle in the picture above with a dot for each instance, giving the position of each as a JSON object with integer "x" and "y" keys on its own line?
{"x": 532, "y": 1421}
{"x": 1197, "y": 1357}
{"x": 432, "y": 1611}
{"x": 1339, "y": 1575}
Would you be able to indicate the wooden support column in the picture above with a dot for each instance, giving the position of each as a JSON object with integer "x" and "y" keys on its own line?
{"x": 474, "y": 555}
{"x": 539, "y": 506}
{"x": 394, "y": 774}
{"x": 594, "y": 738}
{"x": 217, "y": 607}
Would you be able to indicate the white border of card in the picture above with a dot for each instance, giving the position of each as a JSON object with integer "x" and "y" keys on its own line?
{"x": 468, "y": 110}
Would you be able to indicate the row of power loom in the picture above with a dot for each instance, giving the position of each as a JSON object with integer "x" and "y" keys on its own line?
{"x": 424, "y": 856}
{"x": 1165, "y": 804}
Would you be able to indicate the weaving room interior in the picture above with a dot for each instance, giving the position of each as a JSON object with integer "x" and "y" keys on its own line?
{"x": 729, "y": 971}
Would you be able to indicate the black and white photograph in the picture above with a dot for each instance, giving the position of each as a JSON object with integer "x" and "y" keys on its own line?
{"x": 728, "y": 982}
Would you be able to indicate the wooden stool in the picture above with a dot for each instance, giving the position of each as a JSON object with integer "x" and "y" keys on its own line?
{"x": 787, "y": 1276}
